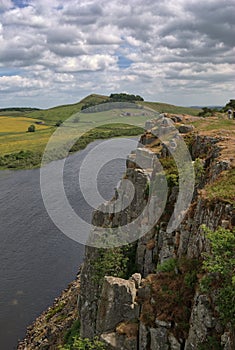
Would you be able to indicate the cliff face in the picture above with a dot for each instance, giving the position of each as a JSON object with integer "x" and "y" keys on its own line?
{"x": 160, "y": 304}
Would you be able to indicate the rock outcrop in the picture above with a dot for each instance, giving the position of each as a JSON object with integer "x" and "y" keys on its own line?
{"x": 130, "y": 315}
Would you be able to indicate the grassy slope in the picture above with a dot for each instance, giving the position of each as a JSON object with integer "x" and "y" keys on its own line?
{"x": 15, "y": 138}
{"x": 168, "y": 108}
{"x": 63, "y": 112}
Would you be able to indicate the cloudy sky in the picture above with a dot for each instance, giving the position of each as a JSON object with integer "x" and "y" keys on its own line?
{"x": 177, "y": 51}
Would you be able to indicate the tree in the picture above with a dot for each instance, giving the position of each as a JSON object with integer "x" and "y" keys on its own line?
{"x": 58, "y": 123}
{"x": 31, "y": 128}
{"x": 229, "y": 105}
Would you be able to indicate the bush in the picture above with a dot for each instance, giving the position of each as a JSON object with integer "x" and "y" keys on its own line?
{"x": 220, "y": 263}
{"x": 84, "y": 344}
{"x": 31, "y": 128}
{"x": 167, "y": 266}
{"x": 72, "y": 333}
{"x": 58, "y": 123}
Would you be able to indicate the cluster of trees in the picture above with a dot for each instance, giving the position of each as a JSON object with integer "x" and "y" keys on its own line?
{"x": 122, "y": 97}
{"x": 207, "y": 112}
{"x": 229, "y": 105}
{"x": 19, "y": 109}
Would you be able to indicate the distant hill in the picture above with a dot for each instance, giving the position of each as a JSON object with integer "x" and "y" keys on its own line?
{"x": 17, "y": 111}
{"x": 63, "y": 112}
{"x": 211, "y": 107}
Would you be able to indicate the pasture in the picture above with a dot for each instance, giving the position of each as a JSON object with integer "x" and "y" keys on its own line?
{"x": 14, "y": 136}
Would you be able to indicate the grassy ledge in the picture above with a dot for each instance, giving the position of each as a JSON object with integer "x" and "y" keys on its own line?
{"x": 223, "y": 188}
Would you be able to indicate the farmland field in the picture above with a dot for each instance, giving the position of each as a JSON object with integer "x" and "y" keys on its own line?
{"x": 14, "y": 136}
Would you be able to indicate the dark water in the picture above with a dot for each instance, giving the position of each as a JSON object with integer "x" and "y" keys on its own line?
{"x": 37, "y": 261}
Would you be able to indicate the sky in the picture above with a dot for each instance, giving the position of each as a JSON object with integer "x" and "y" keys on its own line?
{"x": 54, "y": 52}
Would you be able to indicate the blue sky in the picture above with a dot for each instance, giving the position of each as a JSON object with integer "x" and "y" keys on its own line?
{"x": 55, "y": 52}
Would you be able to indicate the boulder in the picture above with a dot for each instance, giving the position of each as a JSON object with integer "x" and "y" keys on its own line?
{"x": 185, "y": 129}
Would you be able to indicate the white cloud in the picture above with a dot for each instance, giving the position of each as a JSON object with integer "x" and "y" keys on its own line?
{"x": 168, "y": 49}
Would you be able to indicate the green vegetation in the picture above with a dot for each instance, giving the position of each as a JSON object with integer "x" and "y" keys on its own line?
{"x": 207, "y": 112}
{"x": 121, "y": 97}
{"x": 17, "y": 111}
{"x": 54, "y": 310}
{"x": 117, "y": 262}
{"x": 168, "y": 108}
{"x": 20, "y": 160}
{"x": 167, "y": 266}
{"x": 58, "y": 123}
{"x": 171, "y": 170}
{"x": 31, "y": 128}
{"x": 214, "y": 124}
{"x": 229, "y": 105}
{"x": 199, "y": 170}
{"x": 72, "y": 333}
{"x": 220, "y": 264}
{"x": 79, "y": 343}
{"x": 105, "y": 132}
{"x": 223, "y": 187}
{"x": 124, "y": 98}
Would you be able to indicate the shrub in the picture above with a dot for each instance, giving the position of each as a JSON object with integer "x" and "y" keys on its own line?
{"x": 221, "y": 263}
{"x": 58, "y": 123}
{"x": 72, "y": 333}
{"x": 167, "y": 266}
{"x": 84, "y": 344}
{"x": 31, "y": 128}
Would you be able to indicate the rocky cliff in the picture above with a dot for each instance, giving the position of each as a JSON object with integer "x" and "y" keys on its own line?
{"x": 160, "y": 302}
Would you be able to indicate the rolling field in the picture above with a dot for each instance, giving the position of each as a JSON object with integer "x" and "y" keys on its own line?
{"x": 14, "y": 137}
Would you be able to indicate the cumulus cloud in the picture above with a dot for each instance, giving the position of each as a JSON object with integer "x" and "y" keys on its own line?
{"x": 163, "y": 50}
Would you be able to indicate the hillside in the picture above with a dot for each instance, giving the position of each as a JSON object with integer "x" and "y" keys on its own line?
{"x": 63, "y": 112}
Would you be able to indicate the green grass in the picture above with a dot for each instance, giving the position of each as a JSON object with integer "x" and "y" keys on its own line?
{"x": 223, "y": 188}
{"x": 63, "y": 112}
{"x": 216, "y": 124}
{"x": 168, "y": 108}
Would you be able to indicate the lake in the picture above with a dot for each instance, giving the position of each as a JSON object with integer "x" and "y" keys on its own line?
{"x": 38, "y": 261}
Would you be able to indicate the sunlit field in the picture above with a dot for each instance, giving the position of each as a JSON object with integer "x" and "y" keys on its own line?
{"x": 14, "y": 135}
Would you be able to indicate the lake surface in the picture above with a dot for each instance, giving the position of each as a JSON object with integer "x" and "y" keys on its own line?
{"x": 37, "y": 261}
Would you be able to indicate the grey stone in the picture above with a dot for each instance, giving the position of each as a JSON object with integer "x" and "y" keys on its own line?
{"x": 143, "y": 337}
{"x": 158, "y": 339}
{"x": 201, "y": 322}
{"x": 161, "y": 323}
{"x": 117, "y": 303}
{"x": 184, "y": 129}
{"x": 115, "y": 341}
{"x": 174, "y": 344}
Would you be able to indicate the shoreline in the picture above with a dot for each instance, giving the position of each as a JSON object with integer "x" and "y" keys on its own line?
{"x": 49, "y": 328}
